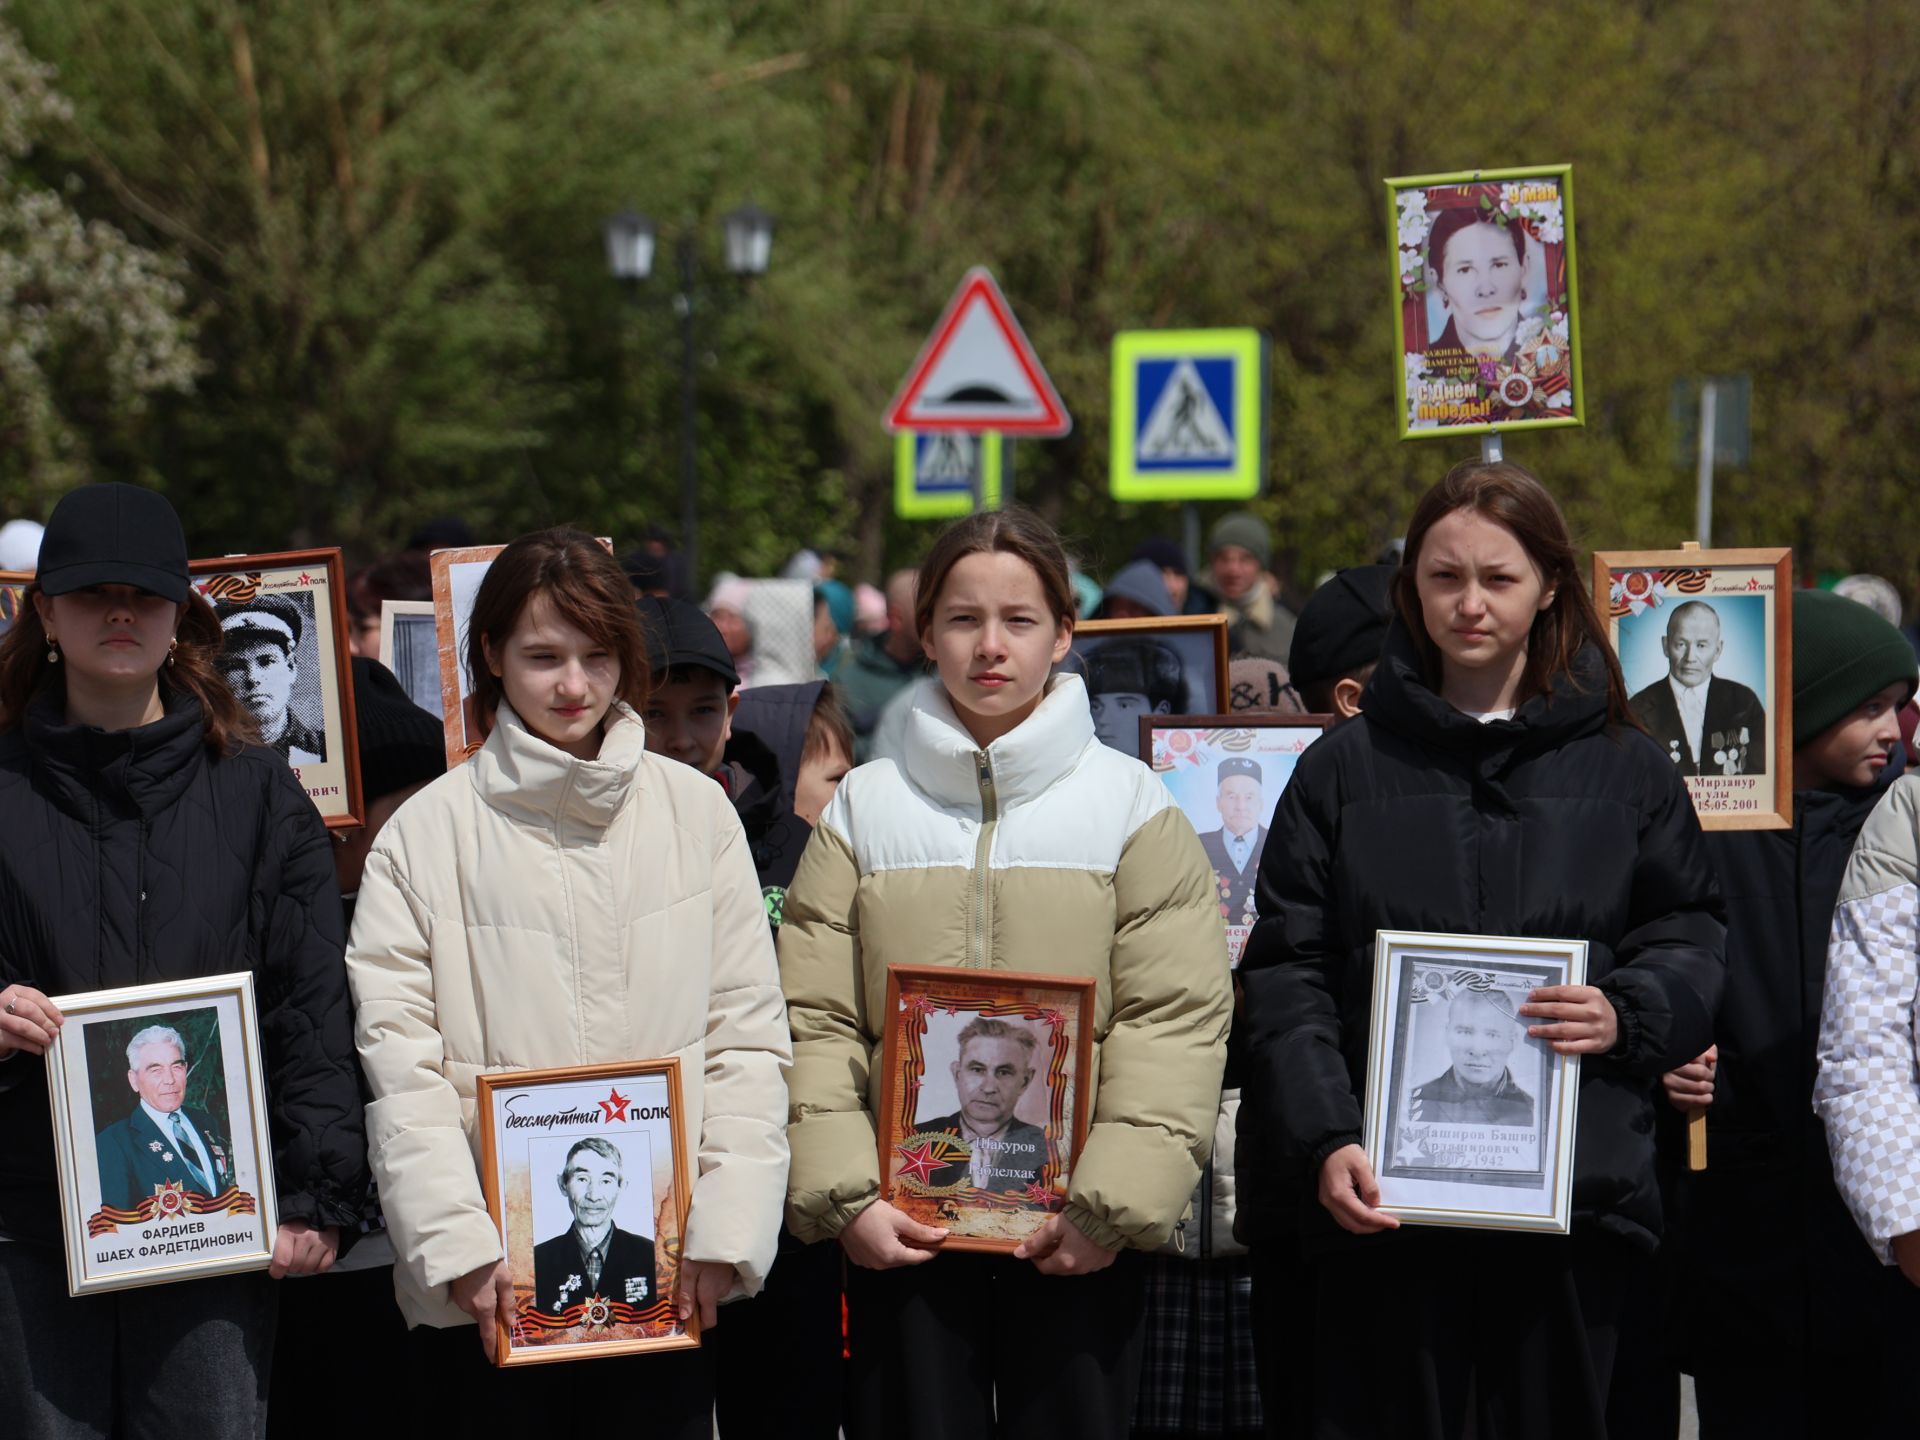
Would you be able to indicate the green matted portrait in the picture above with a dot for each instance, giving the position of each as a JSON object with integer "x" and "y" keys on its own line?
{"x": 1486, "y": 308}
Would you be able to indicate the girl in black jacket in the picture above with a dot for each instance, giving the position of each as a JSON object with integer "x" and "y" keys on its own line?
{"x": 1493, "y": 784}
{"x": 146, "y": 840}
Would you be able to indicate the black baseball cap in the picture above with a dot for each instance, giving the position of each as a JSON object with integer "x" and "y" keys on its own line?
{"x": 679, "y": 633}
{"x": 1342, "y": 626}
{"x": 114, "y": 534}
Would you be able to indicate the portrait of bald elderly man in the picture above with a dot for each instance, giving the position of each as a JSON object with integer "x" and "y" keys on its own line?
{"x": 1707, "y": 724}
{"x": 1478, "y": 1087}
{"x": 593, "y": 1255}
{"x": 260, "y": 663}
{"x": 1234, "y": 849}
{"x": 993, "y": 1069}
{"x": 160, "y": 1141}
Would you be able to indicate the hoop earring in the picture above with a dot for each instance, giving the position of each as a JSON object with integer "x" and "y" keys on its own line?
{"x": 53, "y": 651}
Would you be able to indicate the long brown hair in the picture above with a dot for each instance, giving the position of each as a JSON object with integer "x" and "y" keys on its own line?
{"x": 1015, "y": 530}
{"x": 1513, "y": 497}
{"x": 26, "y": 674}
{"x": 586, "y": 587}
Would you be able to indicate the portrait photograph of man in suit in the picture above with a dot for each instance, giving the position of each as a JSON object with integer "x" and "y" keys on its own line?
{"x": 1707, "y": 722}
{"x": 1234, "y": 849}
{"x": 993, "y": 1069}
{"x": 594, "y": 1255}
{"x": 162, "y": 1140}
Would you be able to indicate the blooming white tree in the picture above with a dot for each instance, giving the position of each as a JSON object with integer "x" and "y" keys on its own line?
{"x": 91, "y": 324}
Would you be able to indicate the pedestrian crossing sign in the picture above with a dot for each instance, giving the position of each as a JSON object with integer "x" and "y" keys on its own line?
{"x": 935, "y": 476}
{"x": 1189, "y": 414}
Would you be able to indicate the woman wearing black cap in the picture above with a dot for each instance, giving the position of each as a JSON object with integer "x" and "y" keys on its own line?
{"x": 149, "y": 840}
{"x": 1495, "y": 783}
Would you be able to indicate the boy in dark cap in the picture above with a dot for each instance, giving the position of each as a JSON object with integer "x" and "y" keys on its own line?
{"x": 260, "y": 664}
{"x": 1809, "y": 1334}
{"x": 1337, "y": 642}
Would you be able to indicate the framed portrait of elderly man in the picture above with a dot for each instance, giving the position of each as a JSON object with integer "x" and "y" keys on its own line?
{"x": 160, "y": 1134}
{"x": 1174, "y": 665}
{"x": 13, "y": 596}
{"x": 1705, "y": 640}
{"x": 1226, "y": 773}
{"x": 585, "y": 1173}
{"x": 285, "y": 657}
{"x": 983, "y": 1103}
{"x": 1486, "y": 311}
{"x": 1470, "y": 1120}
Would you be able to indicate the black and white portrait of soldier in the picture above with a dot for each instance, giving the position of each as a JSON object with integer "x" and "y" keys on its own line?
{"x": 994, "y": 1067}
{"x": 1707, "y": 724}
{"x": 1234, "y": 849}
{"x": 261, "y": 662}
{"x": 1129, "y": 678}
{"x": 593, "y": 1256}
{"x": 1478, "y": 1086}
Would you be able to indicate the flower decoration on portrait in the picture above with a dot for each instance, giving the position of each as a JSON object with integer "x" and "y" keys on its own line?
{"x": 1545, "y": 219}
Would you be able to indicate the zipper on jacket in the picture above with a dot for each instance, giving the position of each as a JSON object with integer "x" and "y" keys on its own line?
{"x": 989, "y": 815}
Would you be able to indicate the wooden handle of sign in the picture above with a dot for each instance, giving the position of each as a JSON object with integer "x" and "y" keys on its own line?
{"x": 1697, "y": 1141}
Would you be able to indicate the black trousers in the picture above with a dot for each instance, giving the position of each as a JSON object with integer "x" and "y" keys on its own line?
{"x": 151, "y": 1363}
{"x": 1283, "y": 1336}
{"x": 666, "y": 1393}
{"x": 778, "y": 1371}
{"x": 1442, "y": 1334}
{"x": 967, "y": 1347}
{"x": 323, "y": 1317}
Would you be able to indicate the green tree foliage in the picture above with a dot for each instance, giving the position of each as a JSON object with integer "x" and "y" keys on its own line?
{"x": 386, "y": 219}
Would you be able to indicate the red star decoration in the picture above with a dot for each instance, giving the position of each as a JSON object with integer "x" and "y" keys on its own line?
{"x": 917, "y": 1163}
{"x": 615, "y": 1104}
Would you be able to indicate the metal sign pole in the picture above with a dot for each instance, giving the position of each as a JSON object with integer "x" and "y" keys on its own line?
{"x": 1703, "y": 498}
{"x": 1490, "y": 449}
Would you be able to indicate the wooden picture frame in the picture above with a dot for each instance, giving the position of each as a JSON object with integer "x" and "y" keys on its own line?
{"x": 1742, "y": 601}
{"x": 1475, "y": 1131}
{"x": 13, "y": 595}
{"x": 1447, "y": 380}
{"x": 1184, "y": 673}
{"x": 293, "y": 602}
{"x": 420, "y": 679}
{"x": 456, "y": 580}
{"x": 139, "y": 1207}
{"x": 927, "y": 1164}
{"x": 538, "y": 1129}
{"x": 1198, "y": 757}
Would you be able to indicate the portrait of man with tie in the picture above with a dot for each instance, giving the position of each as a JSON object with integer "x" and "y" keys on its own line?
{"x": 1234, "y": 849}
{"x": 594, "y": 1257}
{"x": 1707, "y": 723}
{"x": 162, "y": 1141}
{"x": 994, "y": 1066}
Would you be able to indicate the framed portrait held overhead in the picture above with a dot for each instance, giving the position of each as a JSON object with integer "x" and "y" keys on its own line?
{"x": 285, "y": 657}
{"x": 1705, "y": 640}
{"x": 1226, "y": 772}
{"x": 585, "y": 1173}
{"x": 985, "y": 1078}
{"x": 1486, "y": 310}
{"x": 1470, "y": 1120}
{"x": 1171, "y": 665}
{"x": 160, "y": 1134}
{"x": 410, "y": 648}
{"x": 13, "y": 596}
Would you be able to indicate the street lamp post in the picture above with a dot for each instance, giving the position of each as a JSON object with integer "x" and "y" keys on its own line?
{"x": 630, "y": 239}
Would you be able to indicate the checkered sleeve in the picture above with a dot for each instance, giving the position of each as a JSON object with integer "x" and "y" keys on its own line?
{"x": 1868, "y": 1090}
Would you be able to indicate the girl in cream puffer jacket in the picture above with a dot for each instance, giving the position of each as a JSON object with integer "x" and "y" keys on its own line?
{"x": 1010, "y": 839}
{"x": 565, "y": 898}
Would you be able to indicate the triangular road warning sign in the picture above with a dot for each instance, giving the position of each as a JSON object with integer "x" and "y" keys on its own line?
{"x": 978, "y": 372}
{"x": 1185, "y": 424}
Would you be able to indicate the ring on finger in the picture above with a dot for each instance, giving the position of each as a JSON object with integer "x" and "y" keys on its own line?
{"x": 9, "y": 1007}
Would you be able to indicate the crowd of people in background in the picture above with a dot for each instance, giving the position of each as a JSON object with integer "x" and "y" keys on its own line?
{"x": 767, "y": 789}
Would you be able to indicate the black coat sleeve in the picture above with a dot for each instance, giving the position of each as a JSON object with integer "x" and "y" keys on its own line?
{"x": 1297, "y": 1086}
{"x": 1671, "y": 965}
{"x": 306, "y": 1018}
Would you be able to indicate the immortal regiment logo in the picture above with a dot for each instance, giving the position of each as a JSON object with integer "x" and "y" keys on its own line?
{"x": 1449, "y": 384}
{"x": 1634, "y": 592}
